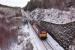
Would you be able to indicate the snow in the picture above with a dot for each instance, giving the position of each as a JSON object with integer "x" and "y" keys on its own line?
{"x": 54, "y": 44}
{"x": 50, "y": 40}
{"x": 29, "y": 40}
{"x": 33, "y": 39}
{"x": 53, "y": 15}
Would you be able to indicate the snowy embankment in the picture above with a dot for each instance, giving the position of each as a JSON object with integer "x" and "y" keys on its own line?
{"x": 54, "y": 15}
{"x": 27, "y": 34}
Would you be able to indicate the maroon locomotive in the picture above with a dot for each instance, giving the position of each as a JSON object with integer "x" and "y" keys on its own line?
{"x": 42, "y": 34}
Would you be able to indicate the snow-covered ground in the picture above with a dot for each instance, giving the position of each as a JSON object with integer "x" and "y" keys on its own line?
{"x": 28, "y": 40}
{"x": 54, "y": 15}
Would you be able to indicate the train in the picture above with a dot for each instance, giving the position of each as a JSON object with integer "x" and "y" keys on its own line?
{"x": 42, "y": 33}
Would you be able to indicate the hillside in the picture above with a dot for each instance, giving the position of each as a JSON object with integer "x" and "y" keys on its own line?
{"x": 59, "y": 4}
{"x": 10, "y": 20}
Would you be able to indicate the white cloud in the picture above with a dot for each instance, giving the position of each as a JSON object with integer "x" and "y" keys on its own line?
{"x": 18, "y": 3}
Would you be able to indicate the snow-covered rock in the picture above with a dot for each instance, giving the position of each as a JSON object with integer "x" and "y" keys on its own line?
{"x": 53, "y": 15}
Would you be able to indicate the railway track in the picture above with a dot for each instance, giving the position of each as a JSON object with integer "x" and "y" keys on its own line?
{"x": 46, "y": 43}
{"x": 49, "y": 43}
